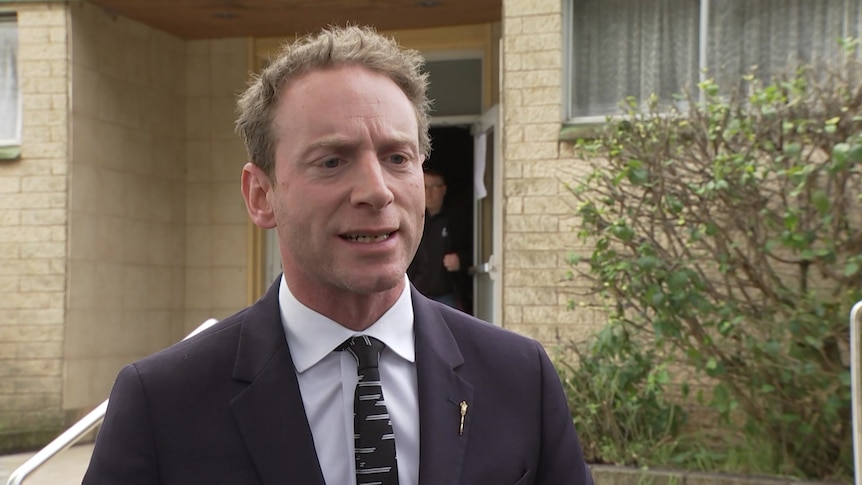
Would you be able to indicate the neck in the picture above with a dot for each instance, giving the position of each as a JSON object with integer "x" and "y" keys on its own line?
{"x": 350, "y": 309}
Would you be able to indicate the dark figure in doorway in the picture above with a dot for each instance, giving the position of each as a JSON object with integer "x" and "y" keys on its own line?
{"x": 439, "y": 269}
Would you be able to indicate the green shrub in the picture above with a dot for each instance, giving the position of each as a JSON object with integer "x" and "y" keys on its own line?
{"x": 730, "y": 234}
{"x": 617, "y": 391}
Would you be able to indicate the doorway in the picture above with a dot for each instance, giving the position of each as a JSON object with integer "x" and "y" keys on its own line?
{"x": 452, "y": 156}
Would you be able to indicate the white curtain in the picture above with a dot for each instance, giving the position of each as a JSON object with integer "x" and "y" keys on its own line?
{"x": 623, "y": 48}
{"x": 10, "y": 99}
{"x": 776, "y": 34}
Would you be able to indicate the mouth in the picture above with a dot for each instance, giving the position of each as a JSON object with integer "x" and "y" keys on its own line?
{"x": 366, "y": 238}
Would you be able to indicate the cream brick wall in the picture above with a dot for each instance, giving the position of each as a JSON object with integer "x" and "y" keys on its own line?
{"x": 126, "y": 200}
{"x": 538, "y": 210}
{"x": 33, "y": 235}
{"x": 217, "y": 222}
{"x": 157, "y": 222}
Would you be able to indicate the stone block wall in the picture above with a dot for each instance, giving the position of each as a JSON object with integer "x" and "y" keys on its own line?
{"x": 539, "y": 211}
{"x": 33, "y": 235}
{"x": 126, "y": 200}
{"x": 122, "y": 226}
{"x": 217, "y": 224}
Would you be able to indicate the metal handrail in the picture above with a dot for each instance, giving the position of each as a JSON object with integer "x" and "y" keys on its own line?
{"x": 856, "y": 386}
{"x": 76, "y": 431}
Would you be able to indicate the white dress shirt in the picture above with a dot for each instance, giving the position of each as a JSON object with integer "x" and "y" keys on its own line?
{"x": 327, "y": 380}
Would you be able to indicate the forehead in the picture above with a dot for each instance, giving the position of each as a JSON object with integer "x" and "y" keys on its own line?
{"x": 353, "y": 84}
{"x": 346, "y": 100}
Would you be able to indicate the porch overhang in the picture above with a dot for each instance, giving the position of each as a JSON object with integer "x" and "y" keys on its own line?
{"x": 212, "y": 19}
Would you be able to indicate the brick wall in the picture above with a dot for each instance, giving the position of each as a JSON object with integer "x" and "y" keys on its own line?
{"x": 33, "y": 235}
{"x": 101, "y": 204}
{"x": 216, "y": 219}
{"x": 538, "y": 211}
{"x": 126, "y": 200}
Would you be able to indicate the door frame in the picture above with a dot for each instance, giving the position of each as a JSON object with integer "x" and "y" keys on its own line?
{"x": 489, "y": 122}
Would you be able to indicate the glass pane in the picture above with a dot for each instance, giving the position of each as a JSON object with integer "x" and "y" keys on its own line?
{"x": 772, "y": 35}
{"x": 456, "y": 87}
{"x": 10, "y": 102}
{"x": 623, "y": 48}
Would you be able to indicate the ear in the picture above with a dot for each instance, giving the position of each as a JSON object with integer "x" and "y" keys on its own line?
{"x": 255, "y": 187}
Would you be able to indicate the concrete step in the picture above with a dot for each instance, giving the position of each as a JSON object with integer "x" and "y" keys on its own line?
{"x": 67, "y": 467}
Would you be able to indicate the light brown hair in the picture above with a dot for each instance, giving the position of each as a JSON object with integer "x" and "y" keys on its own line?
{"x": 330, "y": 48}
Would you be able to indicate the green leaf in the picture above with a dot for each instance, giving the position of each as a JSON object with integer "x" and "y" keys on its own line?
{"x": 820, "y": 201}
{"x": 772, "y": 347}
{"x": 793, "y": 148}
{"x": 647, "y": 263}
{"x": 638, "y": 176}
{"x": 839, "y": 153}
{"x": 678, "y": 280}
{"x": 623, "y": 232}
{"x": 854, "y": 153}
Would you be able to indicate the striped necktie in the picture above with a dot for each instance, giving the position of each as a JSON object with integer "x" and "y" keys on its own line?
{"x": 373, "y": 438}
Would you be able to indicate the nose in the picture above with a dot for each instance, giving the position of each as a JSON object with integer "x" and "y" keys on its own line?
{"x": 370, "y": 186}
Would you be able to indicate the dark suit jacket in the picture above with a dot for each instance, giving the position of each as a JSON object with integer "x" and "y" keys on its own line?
{"x": 224, "y": 407}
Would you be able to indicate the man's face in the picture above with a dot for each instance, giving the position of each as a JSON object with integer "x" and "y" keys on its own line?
{"x": 435, "y": 192}
{"x": 347, "y": 197}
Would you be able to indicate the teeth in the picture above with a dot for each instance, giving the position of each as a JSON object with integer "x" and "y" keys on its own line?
{"x": 367, "y": 239}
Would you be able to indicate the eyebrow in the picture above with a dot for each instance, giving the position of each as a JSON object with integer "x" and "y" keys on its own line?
{"x": 339, "y": 143}
{"x": 332, "y": 141}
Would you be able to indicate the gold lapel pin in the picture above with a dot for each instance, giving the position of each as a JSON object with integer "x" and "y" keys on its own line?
{"x": 463, "y": 406}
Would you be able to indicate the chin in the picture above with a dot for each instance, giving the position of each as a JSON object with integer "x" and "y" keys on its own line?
{"x": 370, "y": 283}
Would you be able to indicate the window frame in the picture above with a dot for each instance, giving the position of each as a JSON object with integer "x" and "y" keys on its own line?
{"x": 10, "y": 148}
{"x": 578, "y": 124}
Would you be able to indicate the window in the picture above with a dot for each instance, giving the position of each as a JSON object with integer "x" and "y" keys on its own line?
{"x": 456, "y": 86}
{"x": 10, "y": 91}
{"x": 622, "y": 48}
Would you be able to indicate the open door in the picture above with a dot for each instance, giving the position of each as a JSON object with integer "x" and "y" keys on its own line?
{"x": 487, "y": 219}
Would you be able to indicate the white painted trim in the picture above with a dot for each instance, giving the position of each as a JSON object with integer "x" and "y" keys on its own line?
{"x": 856, "y": 386}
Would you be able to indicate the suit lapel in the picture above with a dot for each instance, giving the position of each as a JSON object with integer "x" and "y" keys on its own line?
{"x": 269, "y": 412}
{"x": 441, "y": 390}
{"x": 271, "y": 417}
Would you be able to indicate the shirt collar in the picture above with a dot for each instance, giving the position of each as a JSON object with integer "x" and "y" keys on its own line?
{"x": 311, "y": 336}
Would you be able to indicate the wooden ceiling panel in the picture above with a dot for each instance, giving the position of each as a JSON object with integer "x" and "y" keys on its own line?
{"x": 208, "y": 19}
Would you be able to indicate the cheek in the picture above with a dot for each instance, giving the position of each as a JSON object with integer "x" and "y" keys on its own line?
{"x": 417, "y": 187}
{"x": 419, "y": 202}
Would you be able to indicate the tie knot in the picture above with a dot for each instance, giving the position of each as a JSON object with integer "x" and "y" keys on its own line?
{"x": 366, "y": 350}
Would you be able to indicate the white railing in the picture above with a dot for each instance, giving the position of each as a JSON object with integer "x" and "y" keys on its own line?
{"x": 75, "y": 432}
{"x": 856, "y": 386}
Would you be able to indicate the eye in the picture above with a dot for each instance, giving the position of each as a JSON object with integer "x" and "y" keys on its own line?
{"x": 398, "y": 159}
{"x": 331, "y": 163}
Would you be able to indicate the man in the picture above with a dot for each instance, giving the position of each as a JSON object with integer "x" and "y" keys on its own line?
{"x": 437, "y": 270}
{"x": 336, "y": 128}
